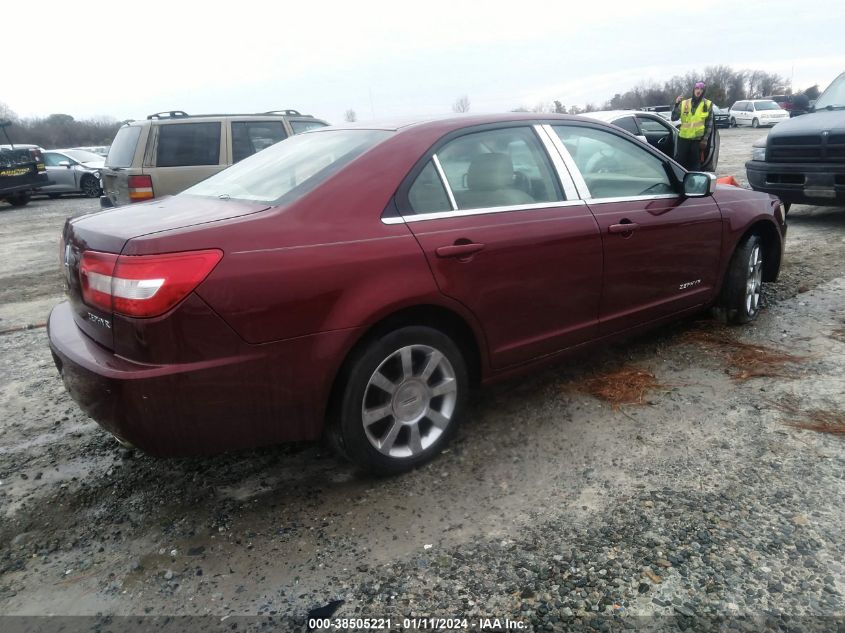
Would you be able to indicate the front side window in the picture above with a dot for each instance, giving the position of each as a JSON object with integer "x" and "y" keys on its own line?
{"x": 496, "y": 168}
{"x": 287, "y": 170}
{"x": 53, "y": 160}
{"x": 613, "y": 166}
{"x": 249, "y": 137}
{"x": 650, "y": 126}
{"x": 188, "y": 144}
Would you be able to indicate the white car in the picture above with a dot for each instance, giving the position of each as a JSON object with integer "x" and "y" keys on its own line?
{"x": 757, "y": 113}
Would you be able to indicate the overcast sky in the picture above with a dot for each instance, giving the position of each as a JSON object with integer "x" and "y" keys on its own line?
{"x": 388, "y": 59}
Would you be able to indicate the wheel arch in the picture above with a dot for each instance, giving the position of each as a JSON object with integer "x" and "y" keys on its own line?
{"x": 442, "y": 318}
{"x": 772, "y": 242}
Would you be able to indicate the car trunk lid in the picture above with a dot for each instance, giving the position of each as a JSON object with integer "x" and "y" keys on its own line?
{"x": 109, "y": 231}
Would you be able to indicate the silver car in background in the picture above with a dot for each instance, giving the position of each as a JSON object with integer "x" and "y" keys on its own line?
{"x": 72, "y": 171}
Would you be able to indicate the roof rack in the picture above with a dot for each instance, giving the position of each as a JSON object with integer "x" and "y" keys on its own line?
{"x": 172, "y": 114}
{"x": 181, "y": 114}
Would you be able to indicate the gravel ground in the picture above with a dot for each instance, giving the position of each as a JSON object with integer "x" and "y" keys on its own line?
{"x": 703, "y": 508}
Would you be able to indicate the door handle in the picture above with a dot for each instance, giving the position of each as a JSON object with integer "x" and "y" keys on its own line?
{"x": 459, "y": 250}
{"x": 623, "y": 227}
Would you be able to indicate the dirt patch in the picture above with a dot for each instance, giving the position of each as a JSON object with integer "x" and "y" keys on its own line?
{"x": 743, "y": 360}
{"x": 819, "y": 420}
{"x": 622, "y": 386}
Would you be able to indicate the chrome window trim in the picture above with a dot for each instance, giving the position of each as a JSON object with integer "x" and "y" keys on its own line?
{"x": 662, "y": 196}
{"x": 563, "y": 175}
{"x": 444, "y": 181}
{"x": 578, "y": 179}
{"x": 442, "y": 215}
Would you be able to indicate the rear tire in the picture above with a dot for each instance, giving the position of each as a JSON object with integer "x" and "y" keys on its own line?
{"x": 19, "y": 199}
{"x": 401, "y": 399}
{"x": 742, "y": 294}
{"x": 755, "y": 123}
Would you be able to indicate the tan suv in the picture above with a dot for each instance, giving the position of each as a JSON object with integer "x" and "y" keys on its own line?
{"x": 170, "y": 151}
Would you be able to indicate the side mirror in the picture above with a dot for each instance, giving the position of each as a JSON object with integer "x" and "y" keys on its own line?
{"x": 698, "y": 184}
{"x": 64, "y": 163}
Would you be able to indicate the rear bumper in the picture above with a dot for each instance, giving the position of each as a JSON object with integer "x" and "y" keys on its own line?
{"x": 271, "y": 393}
{"x": 809, "y": 183}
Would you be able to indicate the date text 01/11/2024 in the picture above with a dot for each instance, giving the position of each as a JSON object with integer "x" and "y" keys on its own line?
{"x": 417, "y": 624}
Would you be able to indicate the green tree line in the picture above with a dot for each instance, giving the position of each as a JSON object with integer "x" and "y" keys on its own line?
{"x": 58, "y": 130}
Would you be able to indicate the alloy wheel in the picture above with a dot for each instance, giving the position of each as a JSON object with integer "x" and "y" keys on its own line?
{"x": 90, "y": 187}
{"x": 409, "y": 401}
{"x": 754, "y": 281}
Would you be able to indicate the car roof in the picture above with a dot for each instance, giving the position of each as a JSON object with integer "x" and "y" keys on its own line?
{"x": 447, "y": 122}
{"x": 611, "y": 115}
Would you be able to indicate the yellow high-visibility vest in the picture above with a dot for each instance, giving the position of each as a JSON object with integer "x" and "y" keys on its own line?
{"x": 692, "y": 121}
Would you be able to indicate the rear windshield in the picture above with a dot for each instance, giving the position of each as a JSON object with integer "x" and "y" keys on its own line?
{"x": 83, "y": 156}
{"x": 766, "y": 105}
{"x": 122, "y": 149}
{"x": 290, "y": 168}
{"x": 834, "y": 95}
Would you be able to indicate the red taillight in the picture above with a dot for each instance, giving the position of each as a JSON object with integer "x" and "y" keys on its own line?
{"x": 142, "y": 285}
{"x": 140, "y": 188}
{"x": 38, "y": 158}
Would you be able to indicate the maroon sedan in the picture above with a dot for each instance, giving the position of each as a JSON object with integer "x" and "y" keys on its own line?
{"x": 357, "y": 281}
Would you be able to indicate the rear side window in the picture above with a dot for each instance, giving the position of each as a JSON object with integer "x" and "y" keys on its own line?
{"x": 427, "y": 194}
{"x": 628, "y": 124}
{"x": 122, "y": 149}
{"x": 185, "y": 144}
{"x": 299, "y": 127}
{"x": 249, "y": 137}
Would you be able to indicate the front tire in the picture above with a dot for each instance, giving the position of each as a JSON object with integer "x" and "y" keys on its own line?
{"x": 755, "y": 123}
{"x": 742, "y": 294}
{"x": 401, "y": 400}
{"x": 90, "y": 187}
{"x": 732, "y": 122}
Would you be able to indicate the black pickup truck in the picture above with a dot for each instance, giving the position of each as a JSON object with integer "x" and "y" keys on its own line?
{"x": 802, "y": 160}
{"x": 22, "y": 170}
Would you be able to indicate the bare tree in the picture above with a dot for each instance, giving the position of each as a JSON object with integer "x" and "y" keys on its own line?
{"x": 350, "y": 116}
{"x": 542, "y": 108}
{"x": 6, "y": 113}
{"x": 461, "y": 105}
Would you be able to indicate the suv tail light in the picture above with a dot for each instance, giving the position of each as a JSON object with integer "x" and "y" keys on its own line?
{"x": 143, "y": 285}
{"x": 38, "y": 158}
{"x": 140, "y": 188}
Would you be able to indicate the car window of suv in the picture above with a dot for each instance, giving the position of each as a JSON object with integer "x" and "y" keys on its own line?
{"x": 122, "y": 150}
{"x": 496, "y": 168}
{"x": 613, "y": 166}
{"x": 299, "y": 127}
{"x": 249, "y": 137}
{"x": 184, "y": 144}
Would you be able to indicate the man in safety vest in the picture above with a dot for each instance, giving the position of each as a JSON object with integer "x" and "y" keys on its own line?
{"x": 696, "y": 115}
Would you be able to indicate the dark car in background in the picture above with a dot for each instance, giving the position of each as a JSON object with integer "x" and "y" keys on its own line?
{"x": 356, "y": 281}
{"x": 22, "y": 170}
{"x": 721, "y": 117}
{"x": 802, "y": 160}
